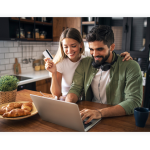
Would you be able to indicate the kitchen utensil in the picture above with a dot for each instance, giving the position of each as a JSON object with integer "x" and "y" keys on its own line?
{"x": 17, "y": 68}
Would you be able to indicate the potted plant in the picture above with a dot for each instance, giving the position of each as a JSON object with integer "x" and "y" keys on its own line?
{"x": 8, "y": 88}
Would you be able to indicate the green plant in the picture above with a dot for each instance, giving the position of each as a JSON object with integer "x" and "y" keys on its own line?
{"x": 8, "y": 83}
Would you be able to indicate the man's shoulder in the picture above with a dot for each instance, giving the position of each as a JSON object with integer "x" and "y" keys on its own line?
{"x": 130, "y": 64}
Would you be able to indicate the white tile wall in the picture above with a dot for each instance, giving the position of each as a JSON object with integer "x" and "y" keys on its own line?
{"x": 10, "y": 50}
{"x": 4, "y": 50}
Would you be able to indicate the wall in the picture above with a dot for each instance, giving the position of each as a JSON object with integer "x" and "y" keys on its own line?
{"x": 10, "y": 50}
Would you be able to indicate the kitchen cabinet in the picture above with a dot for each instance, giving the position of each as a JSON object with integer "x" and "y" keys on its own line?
{"x": 16, "y": 28}
{"x": 61, "y": 23}
{"x": 87, "y": 25}
{"x": 43, "y": 85}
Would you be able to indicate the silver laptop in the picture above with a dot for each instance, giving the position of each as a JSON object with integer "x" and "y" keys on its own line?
{"x": 62, "y": 113}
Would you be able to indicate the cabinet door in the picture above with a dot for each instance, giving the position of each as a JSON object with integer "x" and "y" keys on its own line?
{"x": 58, "y": 27}
{"x": 61, "y": 23}
{"x": 138, "y": 36}
{"x": 73, "y": 22}
{"x": 4, "y": 29}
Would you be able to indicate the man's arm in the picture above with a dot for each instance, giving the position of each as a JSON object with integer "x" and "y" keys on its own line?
{"x": 77, "y": 85}
{"x": 71, "y": 97}
{"x": 101, "y": 113}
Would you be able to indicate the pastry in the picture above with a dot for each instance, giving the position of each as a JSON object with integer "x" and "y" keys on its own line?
{"x": 27, "y": 106}
{"x": 16, "y": 113}
{"x": 15, "y": 105}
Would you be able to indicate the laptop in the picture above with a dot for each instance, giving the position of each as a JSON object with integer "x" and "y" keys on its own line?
{"x": 61, "y": 113}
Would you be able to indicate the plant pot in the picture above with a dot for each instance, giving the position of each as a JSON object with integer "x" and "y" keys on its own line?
{"x": 7, "y": 96}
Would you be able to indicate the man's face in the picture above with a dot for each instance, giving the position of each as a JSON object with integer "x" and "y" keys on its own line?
{"x": 99, "y": 52}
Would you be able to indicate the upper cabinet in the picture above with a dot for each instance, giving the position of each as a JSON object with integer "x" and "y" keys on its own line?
{"x": 87, "y": 23}
{"x": 61, "y": 23}
{"x": 26, "y": 28}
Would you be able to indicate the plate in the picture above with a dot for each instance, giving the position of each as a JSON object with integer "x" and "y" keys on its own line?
{"x": 33, "y": 112}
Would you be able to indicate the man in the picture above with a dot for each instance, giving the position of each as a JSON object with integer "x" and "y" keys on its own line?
{"x": 106, "y": 79}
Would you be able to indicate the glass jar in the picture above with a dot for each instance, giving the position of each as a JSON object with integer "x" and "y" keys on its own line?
{"x": 42, "y": 35}
{"x": 42, "y": 66}
{"x": 21, "y": 33}
{"x": 28, "y": 34}
{"x": 37, "y": 67}
{"x": 36, "y": 34}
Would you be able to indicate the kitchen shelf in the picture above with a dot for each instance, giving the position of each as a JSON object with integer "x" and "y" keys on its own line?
{"x": 88, "y": 22}
{"x": 14, "y": 18}
{"x": 43, "y": 23}
{"x": 43, "y": 39}
{"x": 31, "y": 21}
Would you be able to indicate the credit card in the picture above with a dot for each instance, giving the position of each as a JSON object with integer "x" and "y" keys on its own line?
{"x": 47, "y": 54}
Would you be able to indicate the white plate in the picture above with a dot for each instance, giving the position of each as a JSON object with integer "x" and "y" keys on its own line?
{"x": 33, "y": 112}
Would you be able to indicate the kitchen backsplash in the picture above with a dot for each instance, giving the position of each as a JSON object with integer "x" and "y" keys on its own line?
{"x": 10, "y": 50}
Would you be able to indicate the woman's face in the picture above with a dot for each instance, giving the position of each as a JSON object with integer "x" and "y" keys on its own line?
{"x": 71, "y": 48}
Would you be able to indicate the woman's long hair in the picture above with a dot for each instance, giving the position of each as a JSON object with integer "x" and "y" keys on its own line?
{"x": 68, "y": 33}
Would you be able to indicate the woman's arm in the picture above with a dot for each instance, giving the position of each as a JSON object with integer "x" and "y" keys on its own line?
{"x": 56, "y": 77}
{"x": 56, "y": 84}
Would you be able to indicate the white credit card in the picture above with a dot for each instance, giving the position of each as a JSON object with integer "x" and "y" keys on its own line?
{"x": 47, "y": 54}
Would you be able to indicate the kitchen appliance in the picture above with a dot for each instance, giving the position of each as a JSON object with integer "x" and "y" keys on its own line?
{"x": 28, "y": 86}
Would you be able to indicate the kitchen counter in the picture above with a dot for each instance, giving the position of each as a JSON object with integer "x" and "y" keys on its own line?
{"x": 35, "y": 75}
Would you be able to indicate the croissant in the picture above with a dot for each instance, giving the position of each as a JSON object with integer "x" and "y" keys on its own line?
{"x": 15, "y": 105}
{"x": 5, "y": 109}
{"x": 2, "y": 110}
{"x": 27, "y": 106}
{"x": 16, "y": 113}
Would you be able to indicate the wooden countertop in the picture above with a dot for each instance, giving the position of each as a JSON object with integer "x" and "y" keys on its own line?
{"x": 36, "y": 124}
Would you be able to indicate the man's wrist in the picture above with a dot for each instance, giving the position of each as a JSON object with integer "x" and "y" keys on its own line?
{"x": 99, "y": 112}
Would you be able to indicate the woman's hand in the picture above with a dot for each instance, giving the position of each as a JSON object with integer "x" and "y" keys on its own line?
{"x": 126, "y": 56}
{"x": 50, "y": 66}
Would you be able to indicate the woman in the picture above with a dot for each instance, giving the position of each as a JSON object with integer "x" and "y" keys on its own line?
{"x": 69, "y": 54}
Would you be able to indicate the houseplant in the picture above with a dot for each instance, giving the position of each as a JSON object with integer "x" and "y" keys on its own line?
{"x": 8, "y": 88}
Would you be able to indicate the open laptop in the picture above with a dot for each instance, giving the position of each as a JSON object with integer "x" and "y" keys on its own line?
{"x": 62, "y": 113}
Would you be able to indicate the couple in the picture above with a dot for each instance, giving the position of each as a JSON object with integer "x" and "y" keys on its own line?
{"x": 105, "y": 77}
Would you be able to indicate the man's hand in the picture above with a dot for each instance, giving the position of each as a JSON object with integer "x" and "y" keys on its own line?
{"x": 92, "y": 114}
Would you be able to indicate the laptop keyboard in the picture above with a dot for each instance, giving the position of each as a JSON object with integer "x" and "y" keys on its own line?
{"x": 86, "y": 125}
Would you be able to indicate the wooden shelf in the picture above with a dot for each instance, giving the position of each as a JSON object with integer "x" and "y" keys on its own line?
{"x": 31, "y": 21}
{"x": 88, "y": 22}
{"x": 43, "y": 23}
{"x": 43, "y": 39}
{"x": 14, "y": 18}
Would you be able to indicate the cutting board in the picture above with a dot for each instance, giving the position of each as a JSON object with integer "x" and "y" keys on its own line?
{"x": 17, "y": 68}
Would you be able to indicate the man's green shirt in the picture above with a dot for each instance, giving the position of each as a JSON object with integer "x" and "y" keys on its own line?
{"x": 124, "y": 88}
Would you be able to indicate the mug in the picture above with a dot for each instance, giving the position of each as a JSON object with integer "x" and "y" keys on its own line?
{"x": 141, "y": 116}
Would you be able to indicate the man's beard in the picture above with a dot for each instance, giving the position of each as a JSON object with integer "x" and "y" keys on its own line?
{"x": 97, "y": 64}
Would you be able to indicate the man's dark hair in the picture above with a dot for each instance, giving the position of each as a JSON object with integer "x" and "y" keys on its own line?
{"x": 101, "y": 33}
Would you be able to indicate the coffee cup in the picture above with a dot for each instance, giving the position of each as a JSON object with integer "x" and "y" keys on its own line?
{"x": 141, "y": 116}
